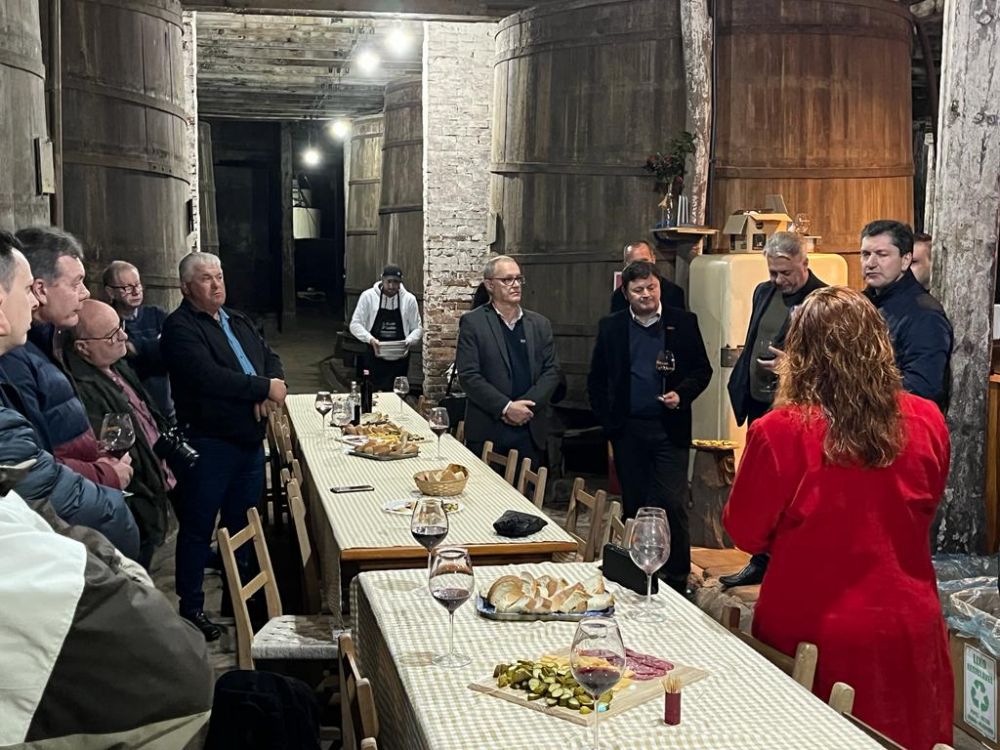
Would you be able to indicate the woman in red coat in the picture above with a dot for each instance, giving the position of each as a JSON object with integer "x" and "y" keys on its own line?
{"x": 839, "y": 483}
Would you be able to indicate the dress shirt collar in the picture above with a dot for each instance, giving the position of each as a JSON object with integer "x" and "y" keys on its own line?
{"x": 509, "y": 323}
{"x": 648, "y": 321}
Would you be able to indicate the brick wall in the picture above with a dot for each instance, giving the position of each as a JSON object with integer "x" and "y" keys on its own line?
{"x": 189, "y": 49}
{"x": 457, "y": 105}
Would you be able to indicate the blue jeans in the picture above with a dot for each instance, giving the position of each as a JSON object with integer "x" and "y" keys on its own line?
{"x": 228, "y": 479}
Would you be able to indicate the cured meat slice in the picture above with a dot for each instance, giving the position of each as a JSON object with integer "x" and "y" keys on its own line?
{"x": 645, "y": 667}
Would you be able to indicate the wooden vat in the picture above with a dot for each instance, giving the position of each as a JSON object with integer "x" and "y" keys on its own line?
{"x": 362, "y": 262}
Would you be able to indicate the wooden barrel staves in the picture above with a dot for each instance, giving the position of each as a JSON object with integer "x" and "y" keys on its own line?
{"x": 206, "y": 191}
{"x": 584, "y": 91}
{"x": 401, "y": 208}
{"x": 813, "y": 102}
{"x": 125, "y": 172}
{"x": 361, "y": 257}
{"x": 22, "y": 115}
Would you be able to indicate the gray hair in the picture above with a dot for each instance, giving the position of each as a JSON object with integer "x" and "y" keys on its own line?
{"x": 115, "y": 267}
{"x": 628, "y": 247}
{"x": 491, "y": 265}
{"x": 44, "y": 246}
{"x": 784, "y": 245}
{"x": 190, "y": 261}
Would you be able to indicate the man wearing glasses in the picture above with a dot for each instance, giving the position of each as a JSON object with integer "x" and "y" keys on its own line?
{"x": 507, "y": 366}
{"x": 144, "y": 324}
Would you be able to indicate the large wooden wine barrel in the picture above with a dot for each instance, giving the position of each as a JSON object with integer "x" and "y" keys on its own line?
{"x": 813, "y": 102}
{"x": 125, "y": 172}
{"x": 401, "y": 208}
{"x": 22, "y": 115}
{"x": 361, "y": 250}
{"x": 206, "y": 191}
{"x": 584, "y": 91}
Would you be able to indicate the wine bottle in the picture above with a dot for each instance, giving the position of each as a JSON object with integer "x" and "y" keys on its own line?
{"x": 366, "y": 393}
{"x": 355, "y": 399}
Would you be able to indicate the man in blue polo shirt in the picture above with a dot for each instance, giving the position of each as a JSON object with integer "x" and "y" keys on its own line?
{"x": 224, "y": 378}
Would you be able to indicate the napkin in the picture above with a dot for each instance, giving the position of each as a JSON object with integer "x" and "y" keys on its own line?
{"x": 516, "y": 524}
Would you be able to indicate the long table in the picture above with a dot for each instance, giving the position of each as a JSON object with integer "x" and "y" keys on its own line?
{"x": 353, "y": 532}
{"x": 745, "y": 703}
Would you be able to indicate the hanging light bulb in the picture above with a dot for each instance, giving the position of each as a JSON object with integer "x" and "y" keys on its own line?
{"x": 311, "y": 157}
{"x": 340, "y": 128}
{"x": 367, "y": 61}
{"x": 399, "y": 41}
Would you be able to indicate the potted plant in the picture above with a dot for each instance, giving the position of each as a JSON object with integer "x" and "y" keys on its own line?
{"x": 668, "y": 167}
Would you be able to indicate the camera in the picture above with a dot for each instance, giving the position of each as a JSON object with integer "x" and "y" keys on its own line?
{"x": 175, "y": 450}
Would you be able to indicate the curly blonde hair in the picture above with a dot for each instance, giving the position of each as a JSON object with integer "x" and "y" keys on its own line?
{"x": 839, "y": 361}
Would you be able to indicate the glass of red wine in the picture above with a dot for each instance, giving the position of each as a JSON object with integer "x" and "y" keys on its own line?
{"x": 117, "y": 434}
{"x": 597, "y": 660}
{"x": 429, "y": 524}
{"x": 451, "y": 583}
{"x": 437, "y": 418}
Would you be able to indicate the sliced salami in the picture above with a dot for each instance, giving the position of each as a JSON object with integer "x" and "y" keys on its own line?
{"x": 645, "y": 667}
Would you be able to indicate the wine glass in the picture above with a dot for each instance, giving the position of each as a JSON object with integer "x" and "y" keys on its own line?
{"x": 429, "y": 524}
{"x": 342, "y": 413}
{"x": 437, "y": 418}
{"x": 665, "y": 364}
{"x": 649, "y": 548}
{"x": 764, "y": 354}
{"x": 117, "y": 434}
{"x": 451, "y": 583}
{"x": 324, "y": 405}
{"x": 401, "y": 387}
{"x": 597, "y": 660}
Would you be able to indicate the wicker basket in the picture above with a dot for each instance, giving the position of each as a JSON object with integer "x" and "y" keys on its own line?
{"x": 438, "y": 488}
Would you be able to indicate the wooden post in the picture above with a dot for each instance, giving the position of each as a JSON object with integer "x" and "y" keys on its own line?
{"x": 966, "y": 215}
{"x": 696, "y": 32}
{"x": 53, "y": 78}
{"x": 287, "y": 237}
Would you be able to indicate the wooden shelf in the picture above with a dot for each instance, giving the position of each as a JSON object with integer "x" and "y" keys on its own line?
{"x": 687, "y": 233}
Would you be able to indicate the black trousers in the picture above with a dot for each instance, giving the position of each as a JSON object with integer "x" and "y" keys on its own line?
{"x": 653, "y": 471}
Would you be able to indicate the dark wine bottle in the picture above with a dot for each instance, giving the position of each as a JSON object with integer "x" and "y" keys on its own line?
{"x": 355, "y": 400}
{"x": 366, "y": 393}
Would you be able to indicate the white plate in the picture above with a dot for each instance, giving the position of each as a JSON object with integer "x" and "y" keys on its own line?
{"x": 405, "y": 507}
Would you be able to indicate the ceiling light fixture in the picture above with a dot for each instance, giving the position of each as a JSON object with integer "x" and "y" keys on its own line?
{"x": 311, "y": 157}
{"x": 399, "y": 41}
{"x": 340, "y": 128}
{"x": 367, "y": 61}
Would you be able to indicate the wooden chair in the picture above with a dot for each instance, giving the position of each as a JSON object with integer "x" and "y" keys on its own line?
{"x": 359, "y": 719}
{"x": 801, "y": 668}
{"x": 587, "y": 549}
{"x": 460, "y": 431}
{"x": 284, "y": 636}
{"x": 537, "y": 480}
{"x": 620, "y": 531}
{"x": 842, "y": 701}
{"x": 422, "y": 406}
{"x": 369, "y": 743}
{"x": 310, "y": 569}
{"x": 508, "y": 462}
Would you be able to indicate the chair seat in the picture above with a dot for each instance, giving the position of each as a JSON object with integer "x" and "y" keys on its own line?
{"x": 297, "y": 637}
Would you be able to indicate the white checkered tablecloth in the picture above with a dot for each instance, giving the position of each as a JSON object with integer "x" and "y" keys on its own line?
{"x": 744, "y": 704}
{"x": 354, "y": 521}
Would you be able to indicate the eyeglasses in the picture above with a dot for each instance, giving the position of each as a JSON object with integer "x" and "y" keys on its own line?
{"x": 509, "y": 280}
{"x": 110, "y": 338}
{"x": 127, "y": 288}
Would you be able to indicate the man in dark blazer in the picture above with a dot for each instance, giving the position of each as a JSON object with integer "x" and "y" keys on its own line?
{"x": 644, "y": 406}
{"x": 507, "y": 366}
{"x": 752, "y": 382}
{"x": 671, "y": 295}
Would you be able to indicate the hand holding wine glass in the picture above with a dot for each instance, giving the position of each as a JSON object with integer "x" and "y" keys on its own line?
{"x": 117, "y": 434}
{"x": 597, "y": 660}
{"x": 429, "y": 524}
{"x": 666, "y": 363}
{"x": 324, "y": 405}
{"x": 437, "y": 418}
{"x": 451, "y": 583}
{"x": 401, "y": 387}
{"x": 649, "y": 548}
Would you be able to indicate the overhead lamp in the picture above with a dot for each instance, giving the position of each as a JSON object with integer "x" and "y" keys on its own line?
{"x": 399, "y": 41}
{"x": 311, "y": 157}
{"x": 340, "y": 128}
{"x": 367, "y": 61}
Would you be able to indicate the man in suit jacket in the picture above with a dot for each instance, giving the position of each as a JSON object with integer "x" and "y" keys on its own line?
{"x": 752, "y": 383}
{"x": 507, "y": 366}
{"x": 671, "y": 295}
{"x": 644, "y": 405}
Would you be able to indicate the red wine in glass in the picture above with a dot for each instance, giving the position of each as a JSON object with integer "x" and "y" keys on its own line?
{"x": 429, "y": 536}
{"x": 597, "y": 680}
{"x": 451, "y": 598}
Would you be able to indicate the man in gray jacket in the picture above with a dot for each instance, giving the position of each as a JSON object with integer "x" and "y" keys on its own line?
{"x": 507, "y": 366}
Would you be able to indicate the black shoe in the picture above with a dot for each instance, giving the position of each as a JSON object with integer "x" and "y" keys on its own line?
{"x": 209, "y": 629}
{"x": 751, "y": 575}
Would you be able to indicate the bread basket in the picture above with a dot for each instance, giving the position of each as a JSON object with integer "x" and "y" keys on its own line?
{"x": 442, "y": 482}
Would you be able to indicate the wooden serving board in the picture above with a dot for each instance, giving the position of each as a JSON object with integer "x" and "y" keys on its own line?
{"x": 631, "y": 694}
{"x": 384, "y": 456}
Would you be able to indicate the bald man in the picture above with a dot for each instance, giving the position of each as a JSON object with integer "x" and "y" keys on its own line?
{"x": 671, "y": 295}
{"x": 107, "y": 384}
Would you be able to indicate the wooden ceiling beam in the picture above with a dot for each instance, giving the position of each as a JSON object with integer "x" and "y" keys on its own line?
{"x": 462, "y": 10}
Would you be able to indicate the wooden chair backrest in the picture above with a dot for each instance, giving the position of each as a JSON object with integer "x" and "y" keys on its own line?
{"x": 369, "y": 743}
{"x": 596, "y": 503}
{"x": 842, "y": 701}
{"x": 460, "y": 431}
{"x": 536, "y": 479}
{"x": 310, "y": 572}
{"x": 508, "y": 462}
{"x": 842, "y": 698}
{"x": 619, "y": 530}
{"x": 422, "y": 405}
{"x": 240, "y": 592}
{"x": 876, "y": 735}
{"x": 801, "y": 668}
{"x": 359, "y": 719}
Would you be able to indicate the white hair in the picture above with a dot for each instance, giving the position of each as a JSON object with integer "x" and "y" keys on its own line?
{"x": 784, "y": 245}
{"x": 491, "y": 265}
{"x": 192, "y": 260}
